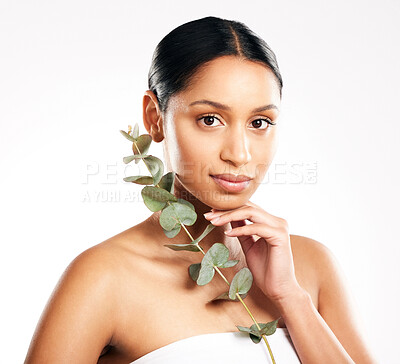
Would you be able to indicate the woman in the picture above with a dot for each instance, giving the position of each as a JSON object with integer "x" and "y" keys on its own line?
{"x": 214, "y": 101}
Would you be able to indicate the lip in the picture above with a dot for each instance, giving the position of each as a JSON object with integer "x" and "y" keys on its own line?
{"x": 232, "y": 183}
{"x": 232, "y": 178}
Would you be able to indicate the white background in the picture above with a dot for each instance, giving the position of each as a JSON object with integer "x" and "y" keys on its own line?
{"x": 72, "y": 74}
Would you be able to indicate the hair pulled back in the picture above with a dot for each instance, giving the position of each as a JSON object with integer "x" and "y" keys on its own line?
{"x": 186, "y": 48}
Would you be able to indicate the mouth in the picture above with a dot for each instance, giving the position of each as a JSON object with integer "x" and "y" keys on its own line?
{"x": 232, "y": 183}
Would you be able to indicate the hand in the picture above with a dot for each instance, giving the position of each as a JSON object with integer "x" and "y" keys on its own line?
{"x": 269, "y": 258}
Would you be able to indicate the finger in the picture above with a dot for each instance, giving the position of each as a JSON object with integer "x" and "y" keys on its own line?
{"x": 245, "y": 241}
{"x": 270, "y": 234}
{"x": 253, "y": 214}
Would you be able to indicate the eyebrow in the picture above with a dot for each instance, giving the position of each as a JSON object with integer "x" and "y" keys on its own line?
{"x": 225, "y": 107}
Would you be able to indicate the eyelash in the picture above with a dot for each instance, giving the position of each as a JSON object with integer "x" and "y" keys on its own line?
{"x": 265, "y": 119}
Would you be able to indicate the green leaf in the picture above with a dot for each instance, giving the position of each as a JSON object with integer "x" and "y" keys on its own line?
{"x": 241, "y": 282}
{"x": 244, "y": 329}
{"x": 217, "y": 255}
{"x": 142, "y": 143}
{"x": 156, "y": 198}
{"x": 130, "y": 158}
{"x": 253, "y": 332}
{"x": 186, "y": 215}
{"x": 135, "y": 132}
{"x": 172, "y": 233}
{"x": 255, "y": 339}
{"x": 229, "y": 263}
{"x": 153, "y": 205}
{"x": 194, "y": 270}
{"x": 265, "y": 329}
{"x": 156, "y": 167}
{"x": 269, "y": 328}
{"x": 127, "y": 136}
{"x": 204, "y": 233}
{"x": 168, "y": 219}
{"x": 181, "y": 200}
{"x": 167, "y": 182}
{"x": 141, "y": 180}
{"x": 206, "y": 274}
{"x": 176, "y": 213}
{"x": 158, "y": 194}
{"x": 188, "y": 247}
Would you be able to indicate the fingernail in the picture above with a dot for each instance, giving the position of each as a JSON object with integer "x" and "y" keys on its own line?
{"x": 215, "y": 219}
{"x": 208, "y": 214}
{"x": 227, "y": 231}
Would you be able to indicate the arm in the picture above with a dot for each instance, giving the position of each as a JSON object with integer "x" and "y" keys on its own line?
{"x": 77, "y": 322}
{"x": 332, "y": 335}
{"x": 267, "y": 247}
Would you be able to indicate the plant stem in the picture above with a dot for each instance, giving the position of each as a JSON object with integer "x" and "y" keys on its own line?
{"x": 219, "y": 272}
{"x": 258, "y": 326}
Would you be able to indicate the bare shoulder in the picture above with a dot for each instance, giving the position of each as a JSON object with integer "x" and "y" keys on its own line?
{"x": 336, "y": 303}
{"x": 80, "y": 316}
{"x": 307, "y": 247}
{"x": 308, "y": 258}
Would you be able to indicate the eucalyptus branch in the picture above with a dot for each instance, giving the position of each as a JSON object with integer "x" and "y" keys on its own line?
{"x": 177, "y": 213}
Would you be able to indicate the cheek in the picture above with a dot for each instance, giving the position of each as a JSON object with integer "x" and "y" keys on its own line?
{"x": 263, "y": 156}
{"x": 195, "y": 159}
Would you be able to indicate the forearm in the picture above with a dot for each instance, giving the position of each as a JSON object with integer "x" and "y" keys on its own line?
{"x": 313, "y": 339}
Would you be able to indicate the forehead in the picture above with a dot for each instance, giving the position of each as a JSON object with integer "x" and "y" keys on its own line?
{"x": 233, "y": 81}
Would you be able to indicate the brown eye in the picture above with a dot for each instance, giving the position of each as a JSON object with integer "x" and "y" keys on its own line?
{"x": 258, "y": 123}
{"x": 209, "y": 120}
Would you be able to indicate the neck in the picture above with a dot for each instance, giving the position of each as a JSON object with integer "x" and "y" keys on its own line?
{"x": 215, "y": 236}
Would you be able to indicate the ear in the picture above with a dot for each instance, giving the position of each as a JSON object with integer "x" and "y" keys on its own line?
{"x": 152, "y": 116}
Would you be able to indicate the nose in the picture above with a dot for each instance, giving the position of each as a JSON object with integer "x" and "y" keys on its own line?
{"x": 236, "y": 146}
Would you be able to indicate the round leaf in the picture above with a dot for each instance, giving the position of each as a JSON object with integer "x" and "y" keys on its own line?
{"x": 185, "y": 214}
{"x": 172, "y": 233}
{"x": 217, "y": 255}
{"x": 194, "y": 270}
{"x": 158, "y": 194}
{"x": 167, "y": 182}
{"x": 229, "y": 263}
{"x": 156, "y": 198}
{"x": 206, "y": 274}
{"x": 168, "y": 219}
{"x": 141, "y": 180}
{"x": 156, "y": 167}
{"x": 130, "y": 158}
{"x": 241, "y": 283}
{"x": 142, "y": 143}
{"x": 181, "y": 200}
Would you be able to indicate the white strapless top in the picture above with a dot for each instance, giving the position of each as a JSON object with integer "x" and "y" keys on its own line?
{"x": 226, "y": 347}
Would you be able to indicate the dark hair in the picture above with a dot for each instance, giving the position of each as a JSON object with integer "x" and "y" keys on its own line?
{"x": 186, "y": 48}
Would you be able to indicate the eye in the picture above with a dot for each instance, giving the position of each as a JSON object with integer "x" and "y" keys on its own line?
{"x": 208, "y": 119}
{"x": 259, "y": 123}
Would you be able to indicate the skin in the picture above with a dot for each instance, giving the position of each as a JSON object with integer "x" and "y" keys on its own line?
{"x": 129, "y": 295}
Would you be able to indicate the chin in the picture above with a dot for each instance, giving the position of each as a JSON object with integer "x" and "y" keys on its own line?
{"x": 228, "y": 202}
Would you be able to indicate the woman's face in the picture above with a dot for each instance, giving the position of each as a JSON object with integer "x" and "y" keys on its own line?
{"x": 219, "y": 125}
